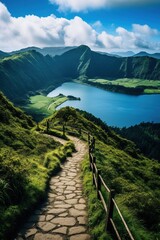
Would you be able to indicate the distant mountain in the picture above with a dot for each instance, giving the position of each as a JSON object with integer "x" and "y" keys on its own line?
{"x": 123, "y": 54}
{"x": 27, "y": 72}
{"x": 108, "y": 54}
{"x": 52, "y": 51}
{"x": 3, "y": 54}
{"x": 144, "y": 54}
{"x": 84, "y": 63}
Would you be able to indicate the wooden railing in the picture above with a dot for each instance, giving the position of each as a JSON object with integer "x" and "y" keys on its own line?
{"x": 110, "y": 204}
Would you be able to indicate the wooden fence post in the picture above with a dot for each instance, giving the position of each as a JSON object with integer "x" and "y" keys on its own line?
{"x": 90, "y": 158}
{"x": 93, "y": 143}
{"x": 98, "y": 183}
{"x": 63, "y": 130}
{"x": 94, "y": 171}
{"x": 110, "y": 209}
{"x": 47, "y": 126}
{"x": 88, "y": 138}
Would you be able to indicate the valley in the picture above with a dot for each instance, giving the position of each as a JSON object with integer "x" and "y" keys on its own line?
{"x": 29, "y": 157}
{"x": 65, "y": 96}
{"x": 18, "y": 81}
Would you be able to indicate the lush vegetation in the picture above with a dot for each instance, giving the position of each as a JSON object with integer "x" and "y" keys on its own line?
{"x": 41, "y": 106}
{"x": 129, "y": 86}
{"x": 26, "y": 157}
{"x": 146, "y": 136}
{"x": 134, "y": 177}
{"x": 26, "y": 73}
{"x": 96, "y": 212}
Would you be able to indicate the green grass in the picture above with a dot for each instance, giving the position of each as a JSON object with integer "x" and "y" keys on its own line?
{"x": 148, "y": 85}
{"x": 24, "y": 179}
{"x": 133, "y": 196}
{"x": 41, "y": 106}
{"x": 27, "y": 156}
{"x": 136, "y": 184}
{"x": 96, "y": 214}
{"x": 27, "y": 161}
{"x": 44, "y": 104}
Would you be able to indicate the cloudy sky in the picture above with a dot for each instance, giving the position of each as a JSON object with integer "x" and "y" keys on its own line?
{"x": 106, "y": 25}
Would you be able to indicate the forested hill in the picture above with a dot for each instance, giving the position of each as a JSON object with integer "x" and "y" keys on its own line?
{"x": 82, "y": 62}
{"x": 146, "y": 136}
{"x": 30, "y": 71}
{"x": 22, "y": 73}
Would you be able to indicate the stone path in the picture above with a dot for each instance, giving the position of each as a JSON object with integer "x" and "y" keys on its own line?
{"x": 64, "y": 215}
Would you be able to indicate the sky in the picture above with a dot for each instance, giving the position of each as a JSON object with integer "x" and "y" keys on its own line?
{"x": 103, "y": 25}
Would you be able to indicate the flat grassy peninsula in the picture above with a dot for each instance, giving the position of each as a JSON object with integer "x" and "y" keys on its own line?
{"x": 127, "y": 85}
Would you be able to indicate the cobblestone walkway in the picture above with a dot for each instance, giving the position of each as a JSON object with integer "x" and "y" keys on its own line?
{"x": 64, "y": 215}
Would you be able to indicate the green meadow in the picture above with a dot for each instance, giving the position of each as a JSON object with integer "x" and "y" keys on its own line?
{"x": 148, "y": 86}
{"x": 41, "y": 106}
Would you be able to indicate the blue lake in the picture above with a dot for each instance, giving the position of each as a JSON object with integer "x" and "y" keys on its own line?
{"x": 113, "y": 108}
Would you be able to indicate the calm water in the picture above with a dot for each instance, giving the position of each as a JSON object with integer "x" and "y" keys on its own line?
{"x": 113, "y": 108}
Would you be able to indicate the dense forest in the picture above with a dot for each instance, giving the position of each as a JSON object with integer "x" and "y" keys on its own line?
{"x": 146, "y": 136}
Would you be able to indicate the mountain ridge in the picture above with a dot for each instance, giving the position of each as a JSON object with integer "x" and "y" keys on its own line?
{"x": 27, "y": 72}
{"x": 52, "y": 51}
{"x": 145, "y": 54}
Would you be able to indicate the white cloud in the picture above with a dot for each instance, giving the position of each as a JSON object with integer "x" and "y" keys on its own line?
{"x": 144, "y": 30}
{"x": 83, "y": 5}
{"x": 4, "y": 14}
{"x": 109, "y": 41}
{"x": 97, "y": 24}
{"x": 78, "y": 5}
{"x": 31, "y": 30}
{"x": 79, "y": 32}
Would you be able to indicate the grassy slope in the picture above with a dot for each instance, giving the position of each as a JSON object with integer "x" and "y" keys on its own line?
{"x": 148, "y": 86}
{"x": 146, "y": 136}
{"x": 27, "y": 72}
{"x": 134, "y": 177}
{"x": 25, "y": 158}
{"x": 41, "y": 106}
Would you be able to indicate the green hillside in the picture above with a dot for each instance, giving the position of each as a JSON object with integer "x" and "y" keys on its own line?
{"x": 134, "y": 177}
{"x": 27, "y": 156}
{"x": 82, "y": 61}
{"x": 3, "y": 54}
{"x": 27, "y": 73}
{"x": 146, "y": 136}
{"x": 27, "y": 161}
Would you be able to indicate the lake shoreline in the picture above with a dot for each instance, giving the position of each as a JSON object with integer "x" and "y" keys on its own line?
{"x": 115, "y": 109}
{"x": 135, "y": 90}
